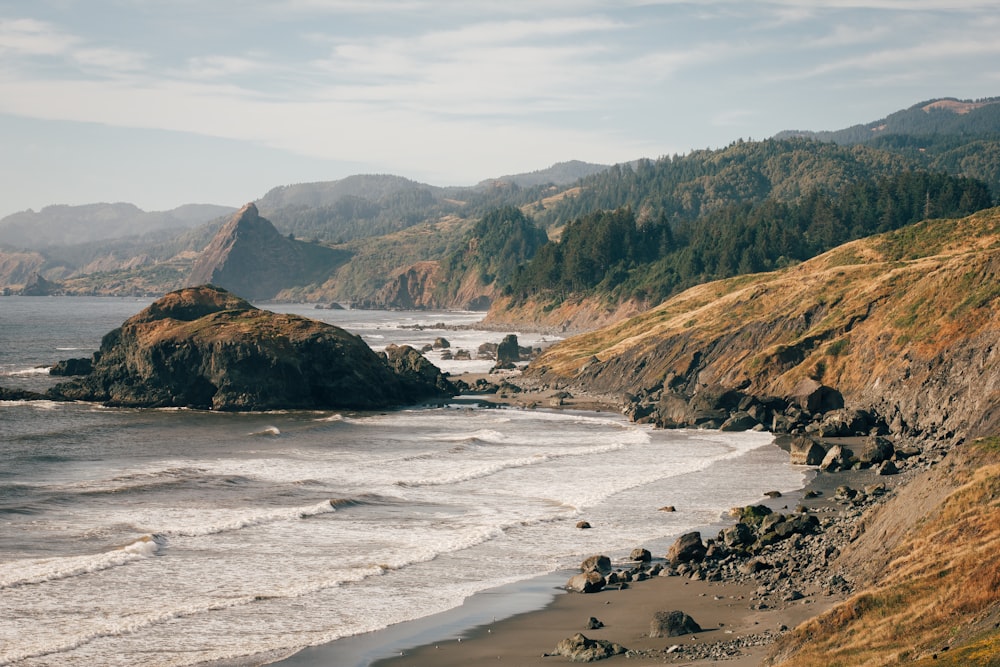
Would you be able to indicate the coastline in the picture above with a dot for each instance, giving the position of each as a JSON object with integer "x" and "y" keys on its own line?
{"x": 522, "y": 623}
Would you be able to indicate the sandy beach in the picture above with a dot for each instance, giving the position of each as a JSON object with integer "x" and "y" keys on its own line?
{"x": 740, "y": 615}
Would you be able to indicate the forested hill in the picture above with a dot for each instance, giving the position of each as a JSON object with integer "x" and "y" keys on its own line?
{"x": 753, "y": 215}
{"x": 938, "y": 117}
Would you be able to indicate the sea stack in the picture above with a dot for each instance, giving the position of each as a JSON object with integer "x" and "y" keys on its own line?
{"x": 203, "y": 347}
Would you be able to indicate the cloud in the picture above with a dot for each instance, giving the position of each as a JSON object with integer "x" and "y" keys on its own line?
{"x": 109, "y": 60}
{"x": 29, "y": 37}
{"x": 222, "y": 66}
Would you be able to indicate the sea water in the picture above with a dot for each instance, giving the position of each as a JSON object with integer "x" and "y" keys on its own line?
{"x": 178, "y": 537}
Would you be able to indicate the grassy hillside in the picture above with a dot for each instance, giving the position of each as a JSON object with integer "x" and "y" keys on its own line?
{"x": 936, "y": 597}
{"x": 896, "y": 322}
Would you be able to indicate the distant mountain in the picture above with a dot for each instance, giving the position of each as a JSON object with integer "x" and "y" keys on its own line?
{"x": 62, "y": 225}
{"x": 249, "y": 257}
{"x": 371, "y": 187}
{"x": 934, "y": 117}
{"x": 561, "y": 173}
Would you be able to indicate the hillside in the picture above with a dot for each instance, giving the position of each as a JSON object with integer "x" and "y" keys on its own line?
{"x": 929, "y": 565}
{"x": 897, "y": 323}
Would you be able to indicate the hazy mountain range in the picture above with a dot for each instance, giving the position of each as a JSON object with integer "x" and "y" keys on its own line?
{"x": 396, "y": 241}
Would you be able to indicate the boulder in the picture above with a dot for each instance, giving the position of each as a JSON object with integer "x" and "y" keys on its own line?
{"x": 579, "y": 648}
{"x": 672, "y": 624}
{"x": 816, "y": 398}
{"x": 508, "y": 351}
{"x": 876, "y": 449}
{"x": 415, "y": 369}
{"x": 594, "y": 624}
{"x": 838, "y": 458}
{"x": 754, "y": 515}
{"x": 738, "y": 535}
{"x": 887, "y": 468}
{"x": 641, "y": 555}
{"x": 739, "y": 421}
{"x": 441, "y": 343}
{"x": 600, "y": 564}
{"x": 586, "y": 582}
{"x": 205, "y": 348}
{"x": 688, "y": 548}
{"x": 805, "y": 451}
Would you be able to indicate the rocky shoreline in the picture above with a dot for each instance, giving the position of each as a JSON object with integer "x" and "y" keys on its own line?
{"x": 771, "y": 566}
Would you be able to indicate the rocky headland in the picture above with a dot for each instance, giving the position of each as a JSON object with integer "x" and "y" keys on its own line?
{"x": 205, "y": 348}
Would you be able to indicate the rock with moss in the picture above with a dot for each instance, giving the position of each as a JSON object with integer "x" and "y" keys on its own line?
{"x": 205, "y": 348}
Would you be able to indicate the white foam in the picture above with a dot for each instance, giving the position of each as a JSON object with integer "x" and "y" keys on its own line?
{"x": 28, "y": 372}
{"x": 255, "y": 519}
{"x": 23, "y": 572}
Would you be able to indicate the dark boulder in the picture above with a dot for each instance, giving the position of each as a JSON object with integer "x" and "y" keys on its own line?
{"x": 688, "y": 548}
{"x": 739, "y": 421}
{"x": 586, "y": 582}
{"x": 641, "y": 555}
{"x": 672, "y": 624}
{"x": 816, "y": 398}
{"x": 508, "y": 351}
{"x": 70, "y": 367}
{"x": 876, "y": 449}
{"x": 600, "y": 564}
{"x": 805, "y": 451}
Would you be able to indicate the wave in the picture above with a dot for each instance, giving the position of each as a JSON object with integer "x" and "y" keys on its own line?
{"x": 28, "y": 372}
{"x": 25, "y": 572}
{"x": 269, "y": 431}
{"x": 262, "y": 518}
{"x": 500, "y": 466}
{"x": 484, "y": 435}
{"x": 69, "y": 642}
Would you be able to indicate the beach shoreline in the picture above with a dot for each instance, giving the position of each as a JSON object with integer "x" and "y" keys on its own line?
{"x": 523, "y": 622}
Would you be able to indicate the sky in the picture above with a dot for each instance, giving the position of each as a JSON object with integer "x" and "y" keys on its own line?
{"x": 166, "y": 102}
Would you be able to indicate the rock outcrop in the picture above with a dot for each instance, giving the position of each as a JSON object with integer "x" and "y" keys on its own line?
{"x": 39, "y": 286}
{"x": 205, "y": 348}
{"x": 249, "y": 257}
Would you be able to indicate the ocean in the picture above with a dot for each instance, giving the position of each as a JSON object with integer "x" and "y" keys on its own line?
{"x": 178, "y": 537}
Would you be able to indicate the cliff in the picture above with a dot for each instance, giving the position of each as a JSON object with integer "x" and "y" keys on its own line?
{"x": 903, "y": 325}
{"x": 250, "y": 257}
{"x": 205, "y": 348}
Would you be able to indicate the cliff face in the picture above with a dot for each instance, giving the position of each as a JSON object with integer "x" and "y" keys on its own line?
{"x": 412, "y": 288}
{"x": 903, "y": 325}
{"x": 206, "y": 348}
{"x": 250, "y": 257}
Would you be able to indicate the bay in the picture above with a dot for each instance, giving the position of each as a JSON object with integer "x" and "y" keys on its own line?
{"x": 178, "y": 537}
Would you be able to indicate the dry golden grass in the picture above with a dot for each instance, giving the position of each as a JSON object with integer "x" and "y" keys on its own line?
{"x": 937, "y": 600}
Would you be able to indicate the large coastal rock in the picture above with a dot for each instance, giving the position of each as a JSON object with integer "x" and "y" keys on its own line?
{"x": 203, "y": 347}
{"x": 251, "y": 258}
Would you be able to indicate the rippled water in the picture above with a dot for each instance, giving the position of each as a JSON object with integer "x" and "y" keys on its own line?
{"x": 174, "y": 537}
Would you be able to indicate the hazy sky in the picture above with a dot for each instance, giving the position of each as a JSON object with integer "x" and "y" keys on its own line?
{"x": 166, "y": 102}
